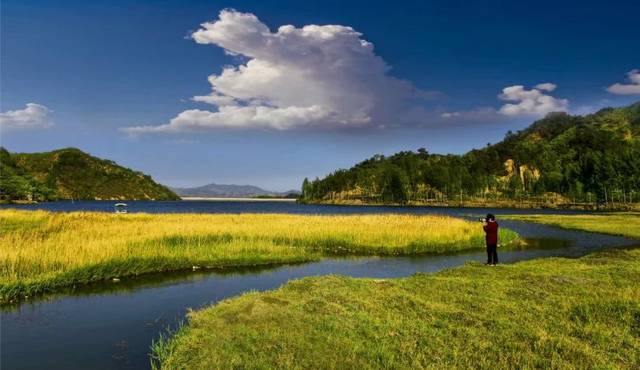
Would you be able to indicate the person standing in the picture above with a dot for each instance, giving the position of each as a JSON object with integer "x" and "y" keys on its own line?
{"x": 490, "y": 227}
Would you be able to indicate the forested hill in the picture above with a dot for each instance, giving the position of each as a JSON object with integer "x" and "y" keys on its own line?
{"x": 558, "y": 159}
{"x": 72, "y": 174}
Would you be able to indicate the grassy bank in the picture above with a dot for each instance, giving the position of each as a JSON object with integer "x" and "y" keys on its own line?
{"x": 624, "y": 224}
{"x": 42, "y": 252}
{"x": 546, "y": 313}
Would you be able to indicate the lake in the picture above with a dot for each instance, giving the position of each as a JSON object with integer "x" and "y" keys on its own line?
{"x": 262, "y": 206}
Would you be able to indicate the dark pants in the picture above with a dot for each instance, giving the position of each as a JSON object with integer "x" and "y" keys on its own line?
{"x": 492, "y": 254}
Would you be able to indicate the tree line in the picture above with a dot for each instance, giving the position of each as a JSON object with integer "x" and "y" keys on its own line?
{"x": 561, "y": 158}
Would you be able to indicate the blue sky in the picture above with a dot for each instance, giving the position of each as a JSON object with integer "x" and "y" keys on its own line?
{"x": 97, "y": 69}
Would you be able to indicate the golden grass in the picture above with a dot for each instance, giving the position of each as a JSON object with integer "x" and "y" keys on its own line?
{"x": 41, "y": 251}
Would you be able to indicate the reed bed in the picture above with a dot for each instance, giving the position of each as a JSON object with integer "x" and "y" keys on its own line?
{"x": 43, "y": 251}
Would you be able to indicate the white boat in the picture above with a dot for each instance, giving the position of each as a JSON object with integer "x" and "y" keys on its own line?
{"x": 120, "y": 207}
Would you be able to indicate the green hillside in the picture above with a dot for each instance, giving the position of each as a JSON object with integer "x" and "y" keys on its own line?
{"x": 558, "y": 159}
{"x": 72, "y": 174}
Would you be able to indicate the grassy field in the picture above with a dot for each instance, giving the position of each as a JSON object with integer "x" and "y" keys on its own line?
{"x": 624, "y": 224}
{"x": 42, "y": 252}
{"x": 546, "y": 313}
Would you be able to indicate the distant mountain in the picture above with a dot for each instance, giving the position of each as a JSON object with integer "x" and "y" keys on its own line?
{"x": 229, "y": 191}
{"x": 73, "y": 174}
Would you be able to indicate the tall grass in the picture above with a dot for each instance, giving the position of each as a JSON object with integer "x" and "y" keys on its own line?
{"x": 42, "y": 251}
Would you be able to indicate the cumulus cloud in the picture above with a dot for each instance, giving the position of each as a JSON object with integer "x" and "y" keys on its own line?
{"x": 547, "y": 86}
{"x": 233, "y": 116}
{"x": 32, "y": 116}
{"x": 314, "y": 76}
{"x": 632, "y": 88}
{"x": 533, "y": 102}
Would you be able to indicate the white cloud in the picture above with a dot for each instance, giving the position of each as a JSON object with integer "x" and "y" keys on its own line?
{"x": 215, "y": 99}
{"x": 450, "y": 114}
{"x": 547, "y": 86}
{"x": 313, "y": 76}
{"x": 633, "y": 88}
{"x": 32, "y": 116}
{"x": 476, "y": 115}
{"x": 532, "y": 102}
{"x": 232, "y": 116}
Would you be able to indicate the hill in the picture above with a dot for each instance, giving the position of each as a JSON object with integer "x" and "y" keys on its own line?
{"x": 229, "y": 191}
{"x": 72, "y": 174}
{"x": 560, "y": 159}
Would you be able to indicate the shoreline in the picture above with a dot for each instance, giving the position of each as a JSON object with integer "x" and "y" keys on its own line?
{"x": 624, "y": 207}
{"x": 230, "y": 199}
{"x": 488, "y": 205}
{"x": 187, "y": 199}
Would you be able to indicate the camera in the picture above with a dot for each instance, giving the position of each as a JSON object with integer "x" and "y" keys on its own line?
{"x": 482, "y": 219}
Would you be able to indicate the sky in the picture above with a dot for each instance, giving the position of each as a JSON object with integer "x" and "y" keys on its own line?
{"x": 270, "y": 92}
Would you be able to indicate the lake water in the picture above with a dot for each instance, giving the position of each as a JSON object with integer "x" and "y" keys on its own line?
{"x": 261, "y": 206}
{"x": 111, "y": 325}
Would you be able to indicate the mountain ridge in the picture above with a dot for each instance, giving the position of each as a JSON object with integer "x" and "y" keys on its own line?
{"x": 228, "y": 191}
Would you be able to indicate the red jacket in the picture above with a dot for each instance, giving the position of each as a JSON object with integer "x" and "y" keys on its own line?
{"x": 491, "y": 229}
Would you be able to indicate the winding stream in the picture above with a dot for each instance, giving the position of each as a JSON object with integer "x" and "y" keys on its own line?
{"x": 111, "y": 325}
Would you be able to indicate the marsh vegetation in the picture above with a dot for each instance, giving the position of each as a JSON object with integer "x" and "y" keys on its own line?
{"x": 44, "y": 251}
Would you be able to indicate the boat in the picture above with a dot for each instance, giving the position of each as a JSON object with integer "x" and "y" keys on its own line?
{"x": 120, "y": 207}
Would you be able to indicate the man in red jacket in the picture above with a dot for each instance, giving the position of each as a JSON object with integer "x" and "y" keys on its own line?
{"x": 490, "y": 227}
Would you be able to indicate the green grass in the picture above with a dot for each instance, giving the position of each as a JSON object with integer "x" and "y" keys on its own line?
{"x": 550, "y": 313}
{"x": 624, "y": 224}
{"x": 547, "y": 313}
{"x": 43, "y": 252}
